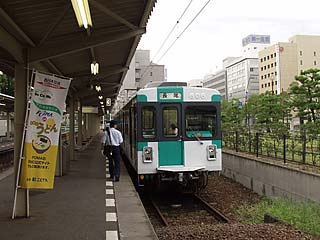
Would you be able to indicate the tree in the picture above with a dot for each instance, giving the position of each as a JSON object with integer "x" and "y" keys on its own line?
{"x": 6, "y": 85}
{"x": 272, "y": 113}
{"x": 232, "y": 115}
{"x": 305, "y": 97}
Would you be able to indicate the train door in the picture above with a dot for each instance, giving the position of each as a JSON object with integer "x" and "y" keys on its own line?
{"x": 170, "y": 148}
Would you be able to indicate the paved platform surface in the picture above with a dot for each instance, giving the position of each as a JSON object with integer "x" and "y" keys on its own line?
{"x": 77, "y": 207}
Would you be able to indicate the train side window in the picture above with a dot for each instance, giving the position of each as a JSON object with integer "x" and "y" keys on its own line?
{"x": 148, "y": 122}
{"x": 170, "y": 121}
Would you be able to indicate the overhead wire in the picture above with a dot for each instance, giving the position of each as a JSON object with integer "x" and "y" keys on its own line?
{"x": 204, "y": 6}
{"x": 169, "y": 34}
{"x": 167, "y": 37}
{"x": 184, "y": 30}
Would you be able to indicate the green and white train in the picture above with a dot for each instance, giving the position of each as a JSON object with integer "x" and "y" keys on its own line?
{"x": 173, "y": 133}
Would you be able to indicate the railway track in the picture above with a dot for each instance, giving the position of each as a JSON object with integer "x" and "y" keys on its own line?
{"x": 189, "y": 203}
{"x": 215, "y": 212}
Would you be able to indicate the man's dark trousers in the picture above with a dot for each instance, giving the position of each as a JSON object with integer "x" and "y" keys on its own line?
{"x": 116, "y": 158}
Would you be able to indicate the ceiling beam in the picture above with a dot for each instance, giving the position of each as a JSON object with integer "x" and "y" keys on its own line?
{"x": 13, "y": 25}
{"x": 103, "y": 73}
{"x": 54, "y": 67}
{"x": 85, "y": 92}
{"x": 23, "y": 35}
{"x": 110, "y": 13}
{"x": 55, "y": 24}
{"x": 93, "y": 56}
{"x": 11, "y": 45}
{"x": 68, "y": 45}
{"x": 93, "y": 99}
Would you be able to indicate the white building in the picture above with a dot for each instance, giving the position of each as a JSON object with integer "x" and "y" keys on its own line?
{"x": 146, "y": 71}
{"x": 141, "y": 72}
{"x": 195, "y": 83}
{"x": 243, "y": 72}
{"x": 216, "y": 81}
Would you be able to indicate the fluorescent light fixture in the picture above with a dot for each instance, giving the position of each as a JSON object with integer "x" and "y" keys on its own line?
{"x": 98, "y": 88}
{"x": 2, "y": 104}
{"x": 1, "y": 73}
{"x": 100, "y": 97}
{"x": 82, "y": 11}
{"x": 94, "y": 68}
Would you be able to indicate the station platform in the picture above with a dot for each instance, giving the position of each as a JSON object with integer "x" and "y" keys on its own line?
{"x": 82, "y": 205}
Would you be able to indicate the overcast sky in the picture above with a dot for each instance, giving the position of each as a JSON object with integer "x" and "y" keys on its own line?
{"x": 218, "y": 31}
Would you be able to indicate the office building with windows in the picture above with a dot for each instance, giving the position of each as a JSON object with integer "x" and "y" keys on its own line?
{"x": 146, "y": 71}
{"x": 281, "y": 62}
{"x": 141, "y": 72}
{"x": 216, "y": 81}
{"x": 242, "y": 73}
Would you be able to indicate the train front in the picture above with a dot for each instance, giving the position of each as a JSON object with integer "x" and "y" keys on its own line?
{"x": 179, "y": 136}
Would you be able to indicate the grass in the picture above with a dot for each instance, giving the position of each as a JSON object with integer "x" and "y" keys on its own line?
{"x": 303, "y": 216}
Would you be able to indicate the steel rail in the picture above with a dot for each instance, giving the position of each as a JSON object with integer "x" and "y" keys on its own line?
{"x": 163, "y": 219}
{"x": 217, "y": 214}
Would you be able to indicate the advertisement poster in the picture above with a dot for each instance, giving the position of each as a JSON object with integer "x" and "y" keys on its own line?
{"x": 43, "y": 129}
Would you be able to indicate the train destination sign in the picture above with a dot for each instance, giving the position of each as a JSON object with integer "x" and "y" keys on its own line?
{"x": 170, "y": 95}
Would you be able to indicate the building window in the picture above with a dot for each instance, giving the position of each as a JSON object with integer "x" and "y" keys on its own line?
{"x": 274, "y": 54}
{"x": 315, "y": 63}
{"x": 275, "y": 64}
{"x": 276, "y": 92}
{"x": 300, "y": 53}
{"x": 300, "y": 62}
{"x": 271, "y": 64}
{"x": 264, "y": 59}
{"x": 251, "y": 69}
{"x": 268, "y": 57}
{"x": 275, "y": 82}
{"x": 261, "y": 59}
{"x": 264, "y": 67}
{"x": 265, "y": 85}
{"x": 275, "y": 73}
{"x": 268, "y": 66}
{"x": 314, "y": 53}
{"x": 150, "y": 74}
{"x": 271, "y": 55}
{"x": 261, "y": 68}
{"x": 268, "y": 84}
{"x": 261, "y": 85}
{"x": 262, "y": 77}
{"x": 268, "y": 75}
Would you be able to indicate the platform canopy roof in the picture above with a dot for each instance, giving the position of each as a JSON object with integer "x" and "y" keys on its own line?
{"x": 45, "y": 34}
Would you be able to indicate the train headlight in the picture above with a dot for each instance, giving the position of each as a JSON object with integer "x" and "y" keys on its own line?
{"x": 147, "y": 155}
{"x": 212, "y": 152}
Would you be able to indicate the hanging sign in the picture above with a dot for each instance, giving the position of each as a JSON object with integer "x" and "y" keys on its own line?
{"x": 43, "y": 129}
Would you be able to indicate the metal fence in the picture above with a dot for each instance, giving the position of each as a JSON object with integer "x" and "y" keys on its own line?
{"x": 295, "y": 148}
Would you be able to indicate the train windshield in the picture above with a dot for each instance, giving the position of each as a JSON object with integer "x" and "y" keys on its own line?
{"x": 201, "y": 121}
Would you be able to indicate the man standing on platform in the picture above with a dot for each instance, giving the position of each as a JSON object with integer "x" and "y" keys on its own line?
{"x": 115, "y": 139}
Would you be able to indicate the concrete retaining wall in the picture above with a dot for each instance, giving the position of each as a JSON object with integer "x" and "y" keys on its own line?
{"x": 271, "y": 179}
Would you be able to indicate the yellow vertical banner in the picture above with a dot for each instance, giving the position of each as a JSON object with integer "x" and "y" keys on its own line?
{"x": 43, "y": 129}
